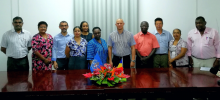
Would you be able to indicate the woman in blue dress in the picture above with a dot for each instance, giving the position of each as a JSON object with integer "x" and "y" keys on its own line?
{"x": 97, "y": 45}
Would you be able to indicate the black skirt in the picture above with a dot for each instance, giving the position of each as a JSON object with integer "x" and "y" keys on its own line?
{"x": 77, "y": 63}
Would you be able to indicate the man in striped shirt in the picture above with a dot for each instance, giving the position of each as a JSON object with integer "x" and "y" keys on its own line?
{"x": 121, "y": 43}
{"x": 16, "y": 44}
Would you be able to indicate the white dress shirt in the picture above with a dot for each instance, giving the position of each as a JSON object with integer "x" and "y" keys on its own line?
{"x": 16, "y": 44}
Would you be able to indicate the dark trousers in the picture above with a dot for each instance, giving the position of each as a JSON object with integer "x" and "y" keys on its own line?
{"x": 126, "y": 61}
{"x": 146, "y": 64}
{"x": 18, "y": 64}
{"x": 160, "y": 60}
{"x": 77, "y": 63}
{"x": 62, "y": 63}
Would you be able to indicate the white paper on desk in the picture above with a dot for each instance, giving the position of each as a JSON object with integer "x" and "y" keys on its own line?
{"x": 205, "y": 68}
{"x": 218, "y": 74}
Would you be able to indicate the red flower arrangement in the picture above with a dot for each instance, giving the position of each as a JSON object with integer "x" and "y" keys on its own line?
{"x": 107, "y": 75}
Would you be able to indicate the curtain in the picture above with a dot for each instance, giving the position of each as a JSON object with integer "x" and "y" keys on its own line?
{"x": 104, "y": 13}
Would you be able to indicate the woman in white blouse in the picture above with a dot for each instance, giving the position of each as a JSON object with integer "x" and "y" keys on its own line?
{"x": 177, "y": 51}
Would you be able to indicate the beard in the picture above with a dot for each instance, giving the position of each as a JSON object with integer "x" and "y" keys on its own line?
{"x": 144, "y": 32}
{"x": 18, "y": 28}
{"x": 64, "y": 31}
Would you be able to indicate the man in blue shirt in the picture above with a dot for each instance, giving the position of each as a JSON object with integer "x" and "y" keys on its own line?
{"x": 58, "y": 51}
{"x": 163, "y": 37}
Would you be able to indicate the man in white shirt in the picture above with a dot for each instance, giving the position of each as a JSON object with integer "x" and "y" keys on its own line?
{"x": 16, "y": 44}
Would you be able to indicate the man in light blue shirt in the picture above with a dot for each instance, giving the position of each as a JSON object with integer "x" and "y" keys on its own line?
{"x": 59, "y": 44}
{"x": 163, "y": 38}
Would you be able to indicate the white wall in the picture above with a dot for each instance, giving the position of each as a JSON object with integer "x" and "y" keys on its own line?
{"x": 179, "y": 13}
{"x": 210, "y": 9}
{"x": 32, "y": 12}
{"x": 175, "y": 14}
{"x": 5, "y": 24}
{"x": 51, "y": 11}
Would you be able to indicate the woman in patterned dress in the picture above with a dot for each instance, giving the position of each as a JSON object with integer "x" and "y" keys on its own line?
{"x": 42, "y": 48}
{"x": 76, "y": 51}
{"x": 177, "y": 51}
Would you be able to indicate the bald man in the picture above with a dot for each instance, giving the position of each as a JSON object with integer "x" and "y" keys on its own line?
{"x": 121, "y": 44}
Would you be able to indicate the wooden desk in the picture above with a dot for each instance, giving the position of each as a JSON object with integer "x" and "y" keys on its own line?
{"x": 148, "y": 82}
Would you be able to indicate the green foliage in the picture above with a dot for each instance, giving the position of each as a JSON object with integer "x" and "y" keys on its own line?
{"x": 113, "y": 82}
{"x": 116, "y": 79}
{"x": 123, "y": 80}
{"x": 109, "y": 84}
{"x": 105, "y": 80}
{"x": 99, "y": 82}
{"x": 94, "y": 78}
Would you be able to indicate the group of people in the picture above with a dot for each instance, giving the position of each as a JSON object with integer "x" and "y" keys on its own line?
{"x": 67, "y": 51}
{"x": 160, "y": 49}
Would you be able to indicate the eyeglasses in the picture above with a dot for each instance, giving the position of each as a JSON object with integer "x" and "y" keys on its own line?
{"x": 120, "y": 23}
{"x": 159, "y": 23}
{"x": 63, "y": 25}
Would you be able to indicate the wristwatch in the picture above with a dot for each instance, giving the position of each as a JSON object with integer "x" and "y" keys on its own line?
{"x": 133, "y": 60}
{"x": 132, "y": 67}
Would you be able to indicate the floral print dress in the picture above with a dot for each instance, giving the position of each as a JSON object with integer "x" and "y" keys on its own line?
{"x": 44, "y": 47}
{"x": 77, "y": 58}
{"x": 77, "y": 50}
{"x": 181, "y": 44}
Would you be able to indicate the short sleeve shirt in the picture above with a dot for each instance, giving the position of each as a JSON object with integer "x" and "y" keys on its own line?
{"x": 181, "y": 44}
{"x": 145, "y": 43}
{"x": 16, "y": 44}
{"x": 77, "y": 50}
{"x": 121, "y": 43}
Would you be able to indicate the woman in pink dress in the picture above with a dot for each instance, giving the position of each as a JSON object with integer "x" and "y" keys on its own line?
{"x": 42, "y": 44}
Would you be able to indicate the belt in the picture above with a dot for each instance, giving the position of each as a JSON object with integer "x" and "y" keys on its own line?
{"x": 63, "y": 58}
{"x": 202, "y": 58}
{"x": 17, "y": 58}
{"x": 161, "y": 54}
{"x": 144, "y": 56}
{"x": 121, "y": 56}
